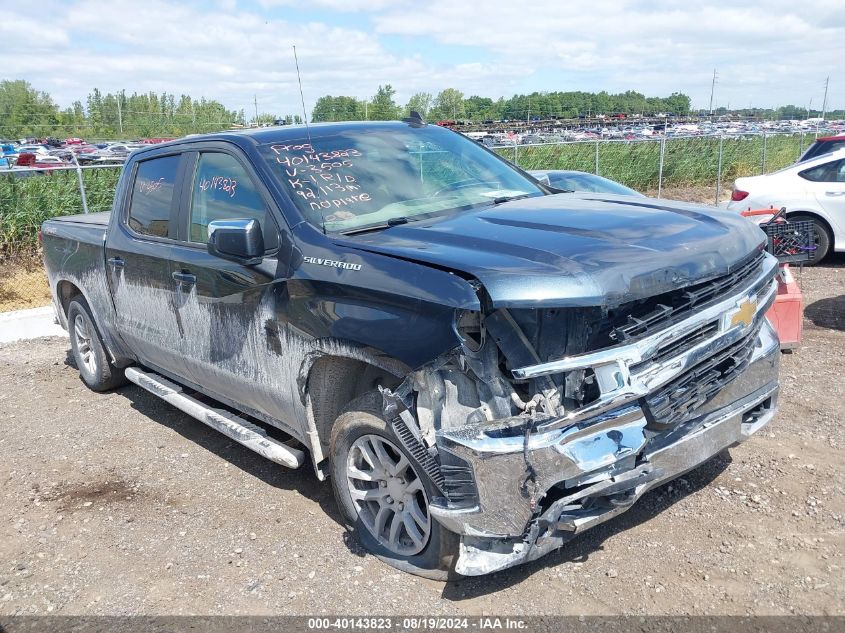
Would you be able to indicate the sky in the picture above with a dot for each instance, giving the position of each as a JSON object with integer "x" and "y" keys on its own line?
{"x": 766, "y": 53}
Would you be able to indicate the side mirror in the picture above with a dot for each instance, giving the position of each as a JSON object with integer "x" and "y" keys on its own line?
{"x": 238, "y": 240}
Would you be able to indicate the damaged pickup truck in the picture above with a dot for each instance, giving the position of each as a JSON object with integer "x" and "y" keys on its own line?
{"x": 483, "y": 366}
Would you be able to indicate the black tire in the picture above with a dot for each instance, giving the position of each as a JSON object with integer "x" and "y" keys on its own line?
{"x": 823, "y": 237}
{"x": 363, "y": 417}
{"x": 89, "y": 354}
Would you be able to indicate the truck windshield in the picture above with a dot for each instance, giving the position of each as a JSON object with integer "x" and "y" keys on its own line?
{"x": 360, "y": 178}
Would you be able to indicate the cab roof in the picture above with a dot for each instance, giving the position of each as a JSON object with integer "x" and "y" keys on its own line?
{"x": 282, "y": 133}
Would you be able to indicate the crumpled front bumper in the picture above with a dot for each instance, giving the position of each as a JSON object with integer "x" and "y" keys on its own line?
{"x": 596, "y": 470}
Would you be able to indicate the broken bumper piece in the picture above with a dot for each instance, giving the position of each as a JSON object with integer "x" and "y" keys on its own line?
{"x": 537, "y": 493}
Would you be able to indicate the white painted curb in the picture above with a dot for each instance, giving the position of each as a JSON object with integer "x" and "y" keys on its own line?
{"x": 21, "y": 325}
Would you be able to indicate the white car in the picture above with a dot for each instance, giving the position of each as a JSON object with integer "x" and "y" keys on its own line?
{"x": 811, "y": 190}
{"x": 39, "y": 150}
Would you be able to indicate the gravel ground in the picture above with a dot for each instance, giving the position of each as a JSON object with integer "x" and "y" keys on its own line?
{"x": 119, "y": 504}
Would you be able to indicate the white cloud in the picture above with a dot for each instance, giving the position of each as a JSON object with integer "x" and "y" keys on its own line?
{"x": 766, "y": 52}
{"x": 346, "y": 6}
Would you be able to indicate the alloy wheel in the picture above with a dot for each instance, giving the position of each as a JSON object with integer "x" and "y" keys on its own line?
{"x": 388, "y": 495}
{"x": 83, "y": 344}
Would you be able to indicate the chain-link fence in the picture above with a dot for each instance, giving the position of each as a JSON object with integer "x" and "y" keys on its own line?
{"x": 707, "y": 164}
{"x": 27, "y": 198}
{"x": 698, "y": 168}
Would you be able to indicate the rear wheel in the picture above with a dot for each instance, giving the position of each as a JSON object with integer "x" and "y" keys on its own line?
{"x": 88, "y": 350}
{"x": 822, "y": 238}
{"x": 384, "y": 495}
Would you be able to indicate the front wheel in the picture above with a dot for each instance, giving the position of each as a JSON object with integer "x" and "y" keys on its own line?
{"x": 384, "y": 495}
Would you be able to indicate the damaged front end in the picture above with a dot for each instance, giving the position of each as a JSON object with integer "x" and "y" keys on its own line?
{"x": 546, "y": 422}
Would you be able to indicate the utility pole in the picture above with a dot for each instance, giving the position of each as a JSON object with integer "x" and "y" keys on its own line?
{"x": 528, "y": 116}
{"x": 824, "y": 106}
{"x": 824, "y": 102}
{"x": 366, "y": 110}
{"x": 712, "y": 90}
{"x": 255, "y": 101}
{"x": 119, "y": 115}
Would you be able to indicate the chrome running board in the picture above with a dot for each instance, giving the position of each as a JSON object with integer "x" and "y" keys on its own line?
{"x": 245, "y": 433}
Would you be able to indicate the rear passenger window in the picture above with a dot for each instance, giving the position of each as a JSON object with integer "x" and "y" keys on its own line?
{"x": 224, "y": 191}
{"x": 152, "y": 196}
{"x": 829, "y": 172}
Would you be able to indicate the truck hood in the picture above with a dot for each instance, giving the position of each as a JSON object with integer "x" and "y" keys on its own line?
{"x": 575, "y": 249}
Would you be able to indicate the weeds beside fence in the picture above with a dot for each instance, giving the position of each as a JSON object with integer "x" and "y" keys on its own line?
{"x": 652, "y": 164}
{"x": 27, "y": 198}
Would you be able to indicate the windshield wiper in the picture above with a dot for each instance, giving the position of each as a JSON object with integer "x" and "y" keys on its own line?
{"x": 503, "y": 199}
{"x": 379, "y": 226}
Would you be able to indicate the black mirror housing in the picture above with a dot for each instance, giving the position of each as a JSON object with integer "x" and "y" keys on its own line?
{"x": 239, "y": 240}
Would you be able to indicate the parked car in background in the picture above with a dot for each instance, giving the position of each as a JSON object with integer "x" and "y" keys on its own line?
{"x": 49, "y": 161}
{"x": 810, "y": 190}
{"x": 114, "y": 153}
{"x": 33, "y": 149}
{"x": 822, "y": 146}
{"x": 38, "y": 161}
{"x": 570, "y": 180}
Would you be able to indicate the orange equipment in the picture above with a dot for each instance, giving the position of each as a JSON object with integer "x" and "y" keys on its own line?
{"x": 789, "y": 243}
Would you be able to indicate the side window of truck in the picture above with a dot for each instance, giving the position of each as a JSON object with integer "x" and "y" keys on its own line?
{"x": 224, "y": 191}
{"x": 152, "y": 196}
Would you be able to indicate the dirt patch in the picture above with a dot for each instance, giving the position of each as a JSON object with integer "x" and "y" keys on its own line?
{"x": 84, "y": 495}
{"x": 827, "y": 313}
{"x": 699, "y": 194}
{"x": 23, "y": 284}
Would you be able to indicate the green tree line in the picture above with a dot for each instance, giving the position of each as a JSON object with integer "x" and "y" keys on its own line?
{"x": 26, "y": 112}
{"x": 452, "y": 104}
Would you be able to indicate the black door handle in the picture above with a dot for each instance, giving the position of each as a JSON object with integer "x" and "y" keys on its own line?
{"x": 185, "y": 278}
{"x": 116, "y": 262}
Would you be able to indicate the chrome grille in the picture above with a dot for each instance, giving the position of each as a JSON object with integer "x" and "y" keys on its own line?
{"x": 663, "y": 310}
{"x": 677, "y": 400}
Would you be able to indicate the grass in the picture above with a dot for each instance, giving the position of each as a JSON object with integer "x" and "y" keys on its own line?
{"x": 686, "y": 161}
{"x": 25, "y": 202}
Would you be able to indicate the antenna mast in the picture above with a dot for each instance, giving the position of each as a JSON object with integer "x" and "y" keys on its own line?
{"x": 301, "y": 95}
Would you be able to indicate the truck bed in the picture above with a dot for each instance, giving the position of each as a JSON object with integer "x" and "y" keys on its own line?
{"x": 100, "y": 219}
{"x": 73, "y": 250}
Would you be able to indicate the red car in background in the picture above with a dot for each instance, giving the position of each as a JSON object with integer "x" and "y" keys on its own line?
{"x": 40, "y": 161}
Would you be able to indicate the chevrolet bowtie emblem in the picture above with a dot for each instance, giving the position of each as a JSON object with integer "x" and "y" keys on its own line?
{"x": 745, "y": 314}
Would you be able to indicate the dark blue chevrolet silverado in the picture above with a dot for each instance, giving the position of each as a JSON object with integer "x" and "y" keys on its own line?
{"x": 484, "y": 367}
